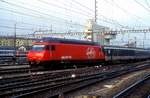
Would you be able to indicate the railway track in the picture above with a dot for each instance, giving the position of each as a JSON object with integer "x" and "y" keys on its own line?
{"x": 57, "y": 82}
{"x": 43, "y": 77}
{"x": 30, "y": 74}
{"x": 20, "y": 69}
{"x": 9, "y": 70}
{"x": 140, "y": 89}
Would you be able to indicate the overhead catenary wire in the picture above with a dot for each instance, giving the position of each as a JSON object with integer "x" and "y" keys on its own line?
{"x": 38, "y": 11}
{"x": 83, "y": 6}
{"x": 147, "y": 3}
{"x": 113, "y": 22}
{"x": 16, "y": 28}
{"x": 26, "y": 23}
{"x": 27, "y": 15}
{"x": 61, "y": 7}
{"x": 38, "y": 0}
{"x": 37, "y": 16}
{"x": 29, "y": 9}
{"x": 87, "y": 10}
{"x": 125, "y": 11}
{"x": 48, "y": 10}
{"x": 148, "y": 10}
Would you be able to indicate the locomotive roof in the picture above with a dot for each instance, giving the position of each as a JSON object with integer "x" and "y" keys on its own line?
{"x": 67, "y": 41}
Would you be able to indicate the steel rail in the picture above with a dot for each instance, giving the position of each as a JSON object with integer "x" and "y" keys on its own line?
{"x": 124, "y": 93}
{"x": 80, "y": 83}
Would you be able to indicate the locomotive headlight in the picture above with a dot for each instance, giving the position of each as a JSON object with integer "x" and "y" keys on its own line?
{"x": 73, "y": 75}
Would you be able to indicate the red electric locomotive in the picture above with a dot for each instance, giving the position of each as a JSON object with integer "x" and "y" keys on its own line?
{"x": 57, "y": 51}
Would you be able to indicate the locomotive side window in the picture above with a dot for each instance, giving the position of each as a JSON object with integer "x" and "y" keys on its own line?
{"x": 46, "y": 47}
{"x": 38, "y": 47}
{"x": 52, "y": 47}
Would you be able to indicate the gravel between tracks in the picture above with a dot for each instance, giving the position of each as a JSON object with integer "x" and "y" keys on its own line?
{"x": 108, "y": 88}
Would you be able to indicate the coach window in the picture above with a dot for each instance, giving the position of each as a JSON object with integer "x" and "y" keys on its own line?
{"x": 109, "y": 51}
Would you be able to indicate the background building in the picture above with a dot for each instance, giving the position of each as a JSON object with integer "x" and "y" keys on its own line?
{"x": 98, "y": 33}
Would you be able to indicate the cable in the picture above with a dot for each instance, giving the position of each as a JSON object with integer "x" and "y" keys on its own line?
{"x": 82, "y": 7}
{"x": 48, "y": 3}
{"x": 19, "y": 22}
{"x": 24, "y": 7}
{"x": 37, "y": 7}
{"x": 16, "y": 28}
{"x": 48, "y": 14}
{"x": 33, "y": 11}
{"x": 147, "y": 3}
{"x": 115, "y": 22}
{"x": 30, "y": 9}
{"x": 125, "y": 11}
{"x": 142, "y": 6}
{"x": 36, "y": 16}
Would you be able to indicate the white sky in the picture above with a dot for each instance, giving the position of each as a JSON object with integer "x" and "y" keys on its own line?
{"x": 65, "y": 15}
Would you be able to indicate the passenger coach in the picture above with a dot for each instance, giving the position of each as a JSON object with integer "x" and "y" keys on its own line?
{"x": 116, "y": 53}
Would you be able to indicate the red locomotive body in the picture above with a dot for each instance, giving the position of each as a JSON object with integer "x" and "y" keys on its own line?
{"x": 63, "y": 51}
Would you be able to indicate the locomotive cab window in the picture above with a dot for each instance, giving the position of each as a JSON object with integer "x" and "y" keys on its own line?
{"x": 38, "y": 47}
